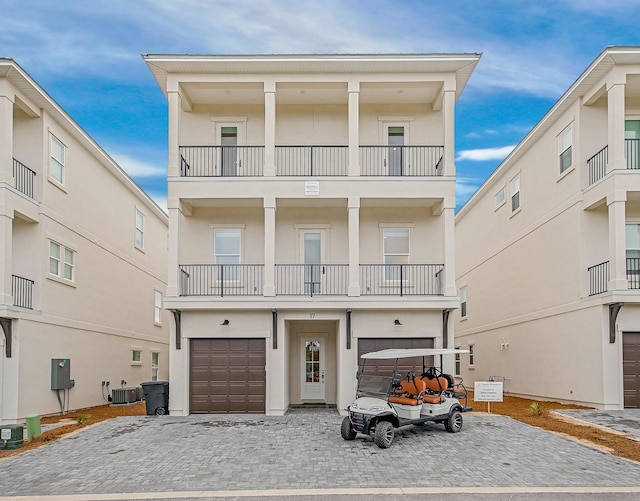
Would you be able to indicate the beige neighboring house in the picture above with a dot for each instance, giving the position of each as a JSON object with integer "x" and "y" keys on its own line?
{"x": 82, "y": 262}
{"x": 548, "y": 250}
{"x": 311, "y": 219}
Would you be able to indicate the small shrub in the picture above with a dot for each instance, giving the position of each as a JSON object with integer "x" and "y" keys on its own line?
{"x": 82, "y": 418}
{"x": 536, "y": 409}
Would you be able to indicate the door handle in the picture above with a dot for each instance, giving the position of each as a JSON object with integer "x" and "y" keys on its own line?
{"x": 322, "y": 376}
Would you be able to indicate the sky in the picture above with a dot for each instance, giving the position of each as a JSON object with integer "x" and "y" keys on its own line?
{"x": 86, "y": 54}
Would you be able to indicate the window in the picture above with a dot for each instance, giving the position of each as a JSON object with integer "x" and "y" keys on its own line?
{"x": 632, "y": 237}
{"x": 463, "y": 302}
{"x": 136, "y": 356}
{"x": 395, "y": 245}
{"x": 61, "y": 261}
{"x": 458, "y": 361}
{"x": 500, "y": 196}
{"x": 515, "y": 193}
{"x": 56, "y": 164}
{"x": 139, "y": 239}
{"x": 154, "y": 365}
{"x": 157, "y": 307}
{"x": 226, "y": 248}
{"x": 564, "y": 148}
{"x": 471, "y": 355}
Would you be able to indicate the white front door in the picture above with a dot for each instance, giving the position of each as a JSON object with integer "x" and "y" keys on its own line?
{"x": 312, "y": 365}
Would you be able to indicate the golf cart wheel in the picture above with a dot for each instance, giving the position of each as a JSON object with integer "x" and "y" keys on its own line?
{"x": 383, "y": 436}
{"x": 453, "y": 424}
{"x": 346, "y": 430}
{"x": 161, "y": 411}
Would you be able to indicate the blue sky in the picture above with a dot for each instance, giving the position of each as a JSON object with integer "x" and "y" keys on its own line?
{"x": 87, "y": 56}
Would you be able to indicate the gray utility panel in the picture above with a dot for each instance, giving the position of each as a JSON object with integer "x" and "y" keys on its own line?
{"x": 60, "y": 374}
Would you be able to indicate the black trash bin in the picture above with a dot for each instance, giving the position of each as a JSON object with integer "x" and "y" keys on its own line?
{"x": 156, "y": 396}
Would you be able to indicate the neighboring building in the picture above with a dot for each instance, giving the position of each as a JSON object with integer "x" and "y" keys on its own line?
{"x": 83, "y": 262}
{"x": 548, "y": 249}
{"x": 311, "y": 208}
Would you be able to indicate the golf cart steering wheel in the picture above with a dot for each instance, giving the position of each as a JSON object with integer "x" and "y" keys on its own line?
{"x": 411, "y": 376}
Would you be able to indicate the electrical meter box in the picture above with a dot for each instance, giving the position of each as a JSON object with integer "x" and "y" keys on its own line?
{"x": 60, "y": 374}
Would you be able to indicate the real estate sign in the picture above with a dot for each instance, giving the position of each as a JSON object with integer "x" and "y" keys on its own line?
{"x": 487, "y": 391}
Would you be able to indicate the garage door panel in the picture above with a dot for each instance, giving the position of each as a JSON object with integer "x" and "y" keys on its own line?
{"x": 228, "y": 375}
{"x": 385, "y": 367}
{"x": 631, "y": 369}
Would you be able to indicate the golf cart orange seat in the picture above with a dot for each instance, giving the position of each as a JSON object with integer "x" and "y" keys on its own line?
{"x": 410, "y": 392}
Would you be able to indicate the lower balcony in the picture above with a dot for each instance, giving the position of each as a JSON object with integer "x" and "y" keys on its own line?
{"x": 599, "y": 276}
{"x": 221, "y": 280}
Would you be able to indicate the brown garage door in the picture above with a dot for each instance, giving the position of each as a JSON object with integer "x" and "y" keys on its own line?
{"x": 631, "y": 369}
{"x": 385, "y": 367}
{"x": 227, "y": 376}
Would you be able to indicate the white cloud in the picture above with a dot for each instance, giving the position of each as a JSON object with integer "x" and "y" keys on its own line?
{"x": 484, "y": 154}
{"x": 465, "y": 187}
{"x": 137, "y": 168}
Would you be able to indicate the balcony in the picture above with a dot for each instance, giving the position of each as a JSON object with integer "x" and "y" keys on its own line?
{"x": 311, "y": 280}
{"x": 310, "y": 161}
{"x": 599, "y": 276}
{"x": 22, "y": 292}
{"x": 401, "y": 279}
{"x": 597, "y": 164}
{"x": 24, "y": 178}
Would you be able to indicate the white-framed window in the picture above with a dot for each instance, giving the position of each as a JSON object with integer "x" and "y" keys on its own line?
{"x": 155, "y": 358}
{"x": 395, "y": 251}
{"x": 565, "y": 141}
{"x": 463, "y": 302}
{"x": 500, "y": 197}
{"x": 136, "y": 355}
{"x": 139, "y": 235}
{"x": 632, "y": 239}
{"x": 61, "y": 261}
{"x": 458, "y": 363}
{"x": 227, "y": 245}
{"x": 471, "y": 355}
{"x": 157, "y": 307}
{"x": 514, "y": 188}
{"x": 57, "y": 157}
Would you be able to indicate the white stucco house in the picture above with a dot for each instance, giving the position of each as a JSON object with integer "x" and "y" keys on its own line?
{"x": 82, "y": 262}
{"x": 548, "y": 250}
{"x": 311, "y": 219}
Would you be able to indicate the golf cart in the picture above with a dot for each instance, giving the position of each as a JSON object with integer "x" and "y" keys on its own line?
{"x": 384, "y": 403}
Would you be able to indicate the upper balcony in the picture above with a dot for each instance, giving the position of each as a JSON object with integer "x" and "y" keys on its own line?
{"x": 310, "y": 161}
{"x": 597, "y": 164}
{"x": 23, "y": 178}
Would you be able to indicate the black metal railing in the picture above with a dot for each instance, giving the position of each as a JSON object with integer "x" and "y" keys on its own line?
{"x": 632, "y": 153}
{"x": 633, "y": 272}
{"x": 221, "y": 279}
{"x": 312, "y": 279}
{"x": 401, "y": 279}
{"x": 597, "y": 165}
{"x": 401, "y": 160}
{"x": 22, "y": 291}
{"x": 23, "y": 178}
{"x": 312, "y": 160}
{"x": 598, "y": 278}
{"x": 221, "y": 161}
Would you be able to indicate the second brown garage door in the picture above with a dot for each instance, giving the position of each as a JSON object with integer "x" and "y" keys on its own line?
{"x": 385, "y": 367}
{"x": 227, "y": 376}
{"x": 631, "y": 369}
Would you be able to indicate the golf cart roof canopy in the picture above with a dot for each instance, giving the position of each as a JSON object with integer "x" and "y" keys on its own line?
{"x": 410, "y": 352}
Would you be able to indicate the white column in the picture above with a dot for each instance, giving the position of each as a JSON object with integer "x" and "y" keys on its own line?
{"x": 173, "y": 279}
{"x": 269, "y": 247}
{"x": 269, "y": 129}
{"x": 615, "y": 98}
{"x": 354, "y": 128}
{"x": 6, "y": 140}
{"x": 6, "y": 259}
{"x": 175, "y": 108}
{"x": 617, "y": 246}
{"x": 354, "y": 246}
{"x": 448, "y": 114}
{"x": 448, "y": 223}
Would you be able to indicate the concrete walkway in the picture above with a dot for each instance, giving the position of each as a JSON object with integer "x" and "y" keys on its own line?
{"x": 626, "y": 421}
{"x": 303, "y": 450}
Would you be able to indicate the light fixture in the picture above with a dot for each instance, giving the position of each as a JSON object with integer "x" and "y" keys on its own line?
{"x": 397, "y": 321}
{"x": 225, "y": 322}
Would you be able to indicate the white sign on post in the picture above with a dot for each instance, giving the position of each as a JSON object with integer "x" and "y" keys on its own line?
{"x": 487, "y": 391}
{"x": 5, "y": 434}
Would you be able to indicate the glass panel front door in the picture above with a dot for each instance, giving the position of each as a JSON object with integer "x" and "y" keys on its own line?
{"x": 312, "y": 369}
